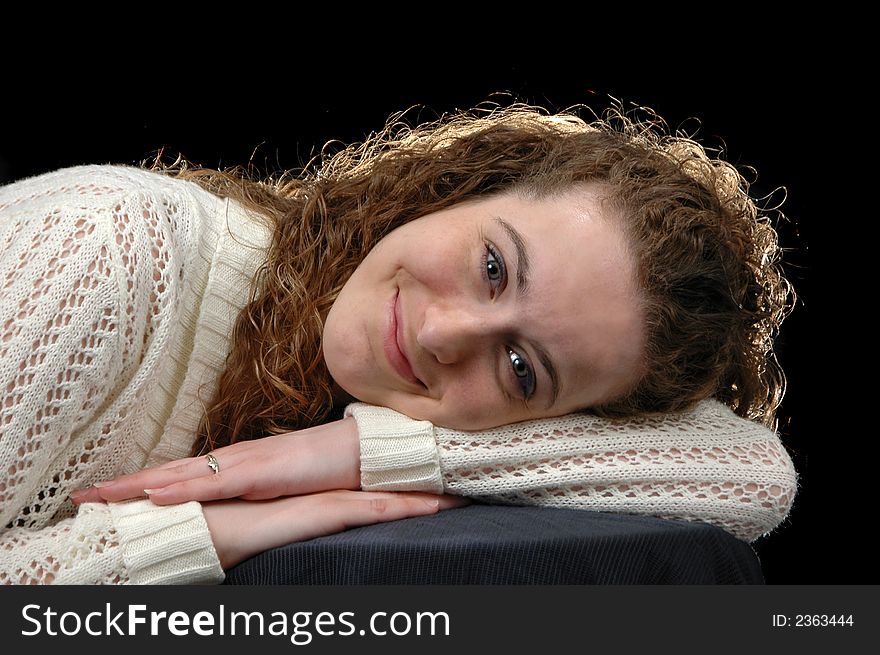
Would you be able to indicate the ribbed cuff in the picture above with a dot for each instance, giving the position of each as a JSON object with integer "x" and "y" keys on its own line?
{"x": 166, "y": 544}
{"x": 397, "y": 453}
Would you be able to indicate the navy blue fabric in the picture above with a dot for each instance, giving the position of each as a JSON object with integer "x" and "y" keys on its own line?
{"x": 491, "y": 544}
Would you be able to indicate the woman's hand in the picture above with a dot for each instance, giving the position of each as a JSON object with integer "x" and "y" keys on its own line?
{"x": 306, "y": 461}
{"x": 241, "y": 529}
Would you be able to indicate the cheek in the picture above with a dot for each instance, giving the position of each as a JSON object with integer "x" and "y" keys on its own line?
{"x": 345, "y": 362}
{"x": 460, "y": 408}
{"x": 440, "y": 264}
{"x": 346, "y": 350}
{"x": 473, "y": 407}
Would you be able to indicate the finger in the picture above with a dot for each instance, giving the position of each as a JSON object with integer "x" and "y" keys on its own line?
{"x": 133, "y": 485}
{"x": 448, "y": 501}
{"x": 224, "y": 453}
{"x": 369, "y": 507}
{"x": 159, "y": 477}
{"x": 174, "y": 463}
{"x": 88, "y": 495}
{"x": 210, "y": 487}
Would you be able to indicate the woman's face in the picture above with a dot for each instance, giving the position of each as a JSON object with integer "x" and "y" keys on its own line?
{"x": 492, "y": 311}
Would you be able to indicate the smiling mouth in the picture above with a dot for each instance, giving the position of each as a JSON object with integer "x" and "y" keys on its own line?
{"x": 392, "y": 345}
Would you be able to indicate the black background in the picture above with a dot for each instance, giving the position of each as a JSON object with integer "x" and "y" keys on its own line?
{"x": 789, "y": 111}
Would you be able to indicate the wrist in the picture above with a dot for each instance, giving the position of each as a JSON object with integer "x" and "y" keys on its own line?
{"x": 349, "y": 446}
{"x": 217, "y": 524}
{"x": 334, "y": 448}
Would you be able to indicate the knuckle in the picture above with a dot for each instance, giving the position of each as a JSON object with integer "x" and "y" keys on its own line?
{"x": 215, "y": 486}
{"x": 379, "y": 505}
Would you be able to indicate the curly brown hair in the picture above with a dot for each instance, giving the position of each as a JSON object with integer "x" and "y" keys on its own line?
{"x": 708, "y": 262}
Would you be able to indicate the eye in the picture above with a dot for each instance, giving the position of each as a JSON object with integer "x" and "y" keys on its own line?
{"x": 495, "y": 273}
{"x": 494, "y": 270}
{"x": 523, "y": 372}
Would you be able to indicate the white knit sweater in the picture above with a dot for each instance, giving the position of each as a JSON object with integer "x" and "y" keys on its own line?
{"x": 118, "y": 291}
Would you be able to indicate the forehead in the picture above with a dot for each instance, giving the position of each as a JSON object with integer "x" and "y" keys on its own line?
{"x": 582, "y": 305}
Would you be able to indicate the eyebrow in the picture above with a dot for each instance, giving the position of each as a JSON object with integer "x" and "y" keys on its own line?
{"x": 523, "y": 279}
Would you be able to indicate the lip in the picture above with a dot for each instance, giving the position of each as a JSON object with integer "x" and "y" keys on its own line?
{"x": 393, "y": 347}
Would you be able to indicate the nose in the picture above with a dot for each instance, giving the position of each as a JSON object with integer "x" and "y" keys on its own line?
{"x": 453, "y": 333}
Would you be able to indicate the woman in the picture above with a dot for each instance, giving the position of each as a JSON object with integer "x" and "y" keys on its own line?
{"x": 475, "y": 283}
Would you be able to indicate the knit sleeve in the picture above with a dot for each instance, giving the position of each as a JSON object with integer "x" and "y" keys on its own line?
{"x": 68, "y": 343}
{"x": 705, "y": 465}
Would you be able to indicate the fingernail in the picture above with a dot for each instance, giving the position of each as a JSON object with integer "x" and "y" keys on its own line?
{"x": 432, "y": 504}
{"x": 151, "y": 491}
{"x": 100, "y": 485}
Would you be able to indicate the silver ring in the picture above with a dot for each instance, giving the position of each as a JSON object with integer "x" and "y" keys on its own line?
{"x": 213, "y": 463}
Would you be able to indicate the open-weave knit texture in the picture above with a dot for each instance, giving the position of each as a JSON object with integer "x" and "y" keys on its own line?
{"x": 704, "y": 465}
{"x": 118, "y": 291}
{"x": 118, "y": 288}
